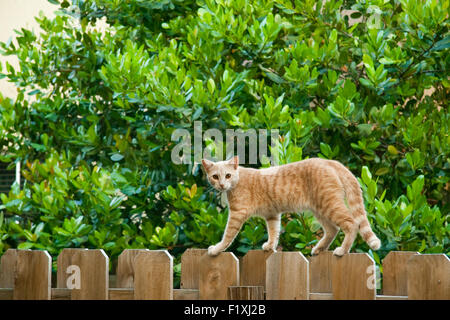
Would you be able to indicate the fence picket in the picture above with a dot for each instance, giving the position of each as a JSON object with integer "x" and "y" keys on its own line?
{"x": 8, "y": 268}
{"x": 428, "y": 277}
{"x": 320, "y": 272}
{"x": 33, "y": 271}
{"x": 153, "y": 275}
{"x": 252, "y": 268}
{"x": 353, "y": 277}
{"x": 217, "y": 274}
{"x": 190, "y": 268}
{"x": 86, "y": 272}
{"x": 394, "y": 273}
{"x": 287, "y": 276}
{"x": 125, "y": 267}
{"x": 246, "y": 293}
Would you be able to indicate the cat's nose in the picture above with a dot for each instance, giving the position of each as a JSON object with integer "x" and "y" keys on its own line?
{"x": 221, "y": 185}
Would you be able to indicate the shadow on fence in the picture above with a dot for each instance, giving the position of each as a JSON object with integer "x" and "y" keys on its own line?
{"x": 148, "y": 274}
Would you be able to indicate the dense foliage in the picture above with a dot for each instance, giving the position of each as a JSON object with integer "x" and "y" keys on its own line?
{"x": 95, "y": 111}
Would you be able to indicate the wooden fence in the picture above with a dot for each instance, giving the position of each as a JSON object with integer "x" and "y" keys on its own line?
{"x": 146, "y": 274}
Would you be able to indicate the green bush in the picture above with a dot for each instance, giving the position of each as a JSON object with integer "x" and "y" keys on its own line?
{"x": 95, "y": 111}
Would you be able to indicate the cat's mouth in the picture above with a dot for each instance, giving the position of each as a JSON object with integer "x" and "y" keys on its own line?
{"x": 222, "y": 189}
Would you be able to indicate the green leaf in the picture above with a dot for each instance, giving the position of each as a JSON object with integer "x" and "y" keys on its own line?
{"x": 13, "y": 203}
{"x": 333, "y": 36}
{"x": 372, "y": 189}
{"x": 366, "y": 175}
{"x": 115, "y": 202}
{"x": 197, "y": 113}
{"x": 29, "y": 235}
{"x": 33, "y": 92}
{"x": 382, "y": 171}
{"x": 442, "y": 44}
{"x": 211, "y": 85}
{"x": 325, "y": 149}
{"x": 392, "y": 150}
{"x": 117, "y": 157}
{"x": 38, "y": 147}
{"x": 365, "y": 82}
{"x": 368, "y": 63}
{"x": 274, "y": 77}
{"x": 25, "y": 245}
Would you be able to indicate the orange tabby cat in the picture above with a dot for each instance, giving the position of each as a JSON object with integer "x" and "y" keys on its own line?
{"x": 325, "y": 187}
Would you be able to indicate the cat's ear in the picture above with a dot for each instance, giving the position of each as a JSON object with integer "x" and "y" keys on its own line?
{"x": 235, "y": 162}
{"x": 207, "y": 164}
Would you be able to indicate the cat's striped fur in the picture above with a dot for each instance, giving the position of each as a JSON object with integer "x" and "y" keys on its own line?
{"x": 325, "y": 187}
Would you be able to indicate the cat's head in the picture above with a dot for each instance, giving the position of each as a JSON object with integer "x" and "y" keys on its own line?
{"x": 223, "y": 175}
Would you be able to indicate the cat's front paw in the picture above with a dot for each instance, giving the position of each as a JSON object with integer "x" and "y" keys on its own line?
{"x": 267, "y": 246}
{"x": 339, "y": 251}
{"x": 316, "y": 250}
{"x": 213, "y": 251}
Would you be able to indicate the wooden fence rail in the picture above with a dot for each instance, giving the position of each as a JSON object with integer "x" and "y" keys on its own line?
{"x": 148, "y": 274}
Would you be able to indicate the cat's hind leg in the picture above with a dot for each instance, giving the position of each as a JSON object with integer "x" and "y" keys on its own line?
{"x": 337, "y": 211}
{"x": 330, "y": 230}
{"x": 350, "y": 229}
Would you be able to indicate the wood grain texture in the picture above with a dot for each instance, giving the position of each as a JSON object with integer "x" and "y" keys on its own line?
{"x": 6, "y": 293}
{"x": 114, "y": 294}
{"x": 121, "y": 294}
{"x": 153, "y": 276}
{"x": 429, "y": 277}
{"x": 190, "y": 267}
{"x": 252, "y": 268}
{"x": 33, "y": 273}
{"x": 125, "y": 268}
{"x": 395, "y": 280}
{"x": 320, "y": 272}
{"x": 246, "y": 293}
{"x": 217, "y": 274}
{"x": 8, "y": 268}
{"x": 185, "y": 294}
{"x": 287, "y": 276}
{"x": 94, "y": 273}
{"x": 320, "y": 296}
{"x": 61, "y": 294}
{"x": 353, "y": 277}
{"x": 386, "y": 297}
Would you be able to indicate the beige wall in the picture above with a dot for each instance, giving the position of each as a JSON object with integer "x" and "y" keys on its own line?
{"x": 16, "y": 14}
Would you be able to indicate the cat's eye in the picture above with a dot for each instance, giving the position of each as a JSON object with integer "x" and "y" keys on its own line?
{"x": 215, "y": 177}
{"x": 228, "y": 176}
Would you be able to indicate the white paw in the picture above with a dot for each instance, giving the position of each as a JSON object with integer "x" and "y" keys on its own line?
{"x": 375, "y": 243}
{"x": 268, "y": 246}
{"x": 339, "y": 251}
{"x": 213, "y": 251}
{"x": 316, "y": 250}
